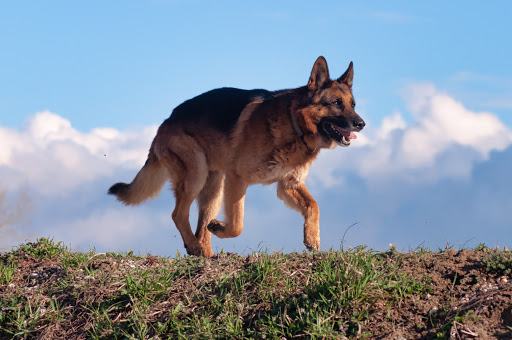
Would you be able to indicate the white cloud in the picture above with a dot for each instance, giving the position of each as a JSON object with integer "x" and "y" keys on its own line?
{"x": 114, "y": 228}
{"x": 442, "y": 121}
{"x": 424, "y": 149}
{"x": 390, "y": 124}
{"x": 53, "y": 157}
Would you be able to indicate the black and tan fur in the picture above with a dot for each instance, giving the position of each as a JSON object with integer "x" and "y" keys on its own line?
{"x": 217, "y": 144}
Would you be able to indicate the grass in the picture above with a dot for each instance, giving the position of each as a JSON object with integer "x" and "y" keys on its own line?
{"x": 499, "y": 262}
{"x": 48, "y": 291}
{"x": 7, "y": 270}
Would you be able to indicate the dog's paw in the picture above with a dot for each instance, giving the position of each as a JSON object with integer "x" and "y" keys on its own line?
{"x": 216, "y": 227}
{"x": 312, "y": 243}
{"x": 206, "y": 247}
{"x": 194, "y": 250}
{"x": 207, "y": 251}
{"x": 206, "y": 244}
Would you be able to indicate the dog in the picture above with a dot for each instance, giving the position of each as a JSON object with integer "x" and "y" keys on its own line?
{"x": 217, "y": 144}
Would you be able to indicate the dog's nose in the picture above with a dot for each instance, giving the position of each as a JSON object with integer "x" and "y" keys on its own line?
{"x": 358, "y": 123}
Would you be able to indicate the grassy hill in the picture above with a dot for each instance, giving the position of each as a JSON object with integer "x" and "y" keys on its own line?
{"x": 47, "y": 291}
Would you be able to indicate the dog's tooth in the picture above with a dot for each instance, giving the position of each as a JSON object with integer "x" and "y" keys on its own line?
{"x": 345, "y": 141}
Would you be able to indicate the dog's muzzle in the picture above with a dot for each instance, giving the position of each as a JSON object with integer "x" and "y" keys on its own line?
{"x": 339, "y": 131}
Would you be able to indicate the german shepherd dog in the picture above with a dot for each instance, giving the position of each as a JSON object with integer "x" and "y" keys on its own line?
{"x": 222, "y": 141}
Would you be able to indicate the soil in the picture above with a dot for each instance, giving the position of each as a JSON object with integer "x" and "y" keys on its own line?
{"x": 465, "y": 300}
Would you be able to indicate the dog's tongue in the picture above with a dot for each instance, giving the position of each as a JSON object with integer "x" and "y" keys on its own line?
{"x": 352, "y": 136}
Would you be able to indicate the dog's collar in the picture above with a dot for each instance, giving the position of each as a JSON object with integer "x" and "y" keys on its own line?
{"x": 299, "y": 132}
{"x": 295, "y": 124}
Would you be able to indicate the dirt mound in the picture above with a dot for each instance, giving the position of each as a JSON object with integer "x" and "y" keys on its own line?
{"x": 47, "y": 291}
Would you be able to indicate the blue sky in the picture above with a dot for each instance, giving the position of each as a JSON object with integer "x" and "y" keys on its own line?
{"x": 126, "y": 63}
{"x": 123, "y": 65}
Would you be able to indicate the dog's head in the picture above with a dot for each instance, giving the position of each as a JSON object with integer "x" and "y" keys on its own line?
{"x": 331, "y": 106}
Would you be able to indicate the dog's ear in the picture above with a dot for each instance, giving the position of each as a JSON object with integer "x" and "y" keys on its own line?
{"x": 348, "y": 76}
{"x": 319, "y": 74}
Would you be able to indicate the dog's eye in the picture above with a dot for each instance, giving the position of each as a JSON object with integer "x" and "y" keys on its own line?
{"x": 337, "y": 102}
{"x": 353, "y": 104}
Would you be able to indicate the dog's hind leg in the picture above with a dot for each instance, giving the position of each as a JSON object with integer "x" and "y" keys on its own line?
{"x": 234, "y": 196}
{"x": 188, "y": 169}
{"x": 297, "y": 197}
{"x": 209, "y": 201}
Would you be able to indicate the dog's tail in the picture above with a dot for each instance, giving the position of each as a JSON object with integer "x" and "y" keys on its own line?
{"x": 146, "y": 184}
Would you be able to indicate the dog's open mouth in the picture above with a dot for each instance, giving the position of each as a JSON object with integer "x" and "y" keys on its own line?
{"x": 341, "y": 136}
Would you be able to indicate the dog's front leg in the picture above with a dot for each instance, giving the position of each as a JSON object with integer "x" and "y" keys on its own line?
{"x": 297, "y": 197}
{"x": 234, "y": 196}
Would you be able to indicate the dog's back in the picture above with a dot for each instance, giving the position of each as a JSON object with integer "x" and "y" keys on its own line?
{"x": 218, "y": 109}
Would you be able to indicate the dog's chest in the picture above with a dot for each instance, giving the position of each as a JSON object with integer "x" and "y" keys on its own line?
{"x": 288, "y": 163}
